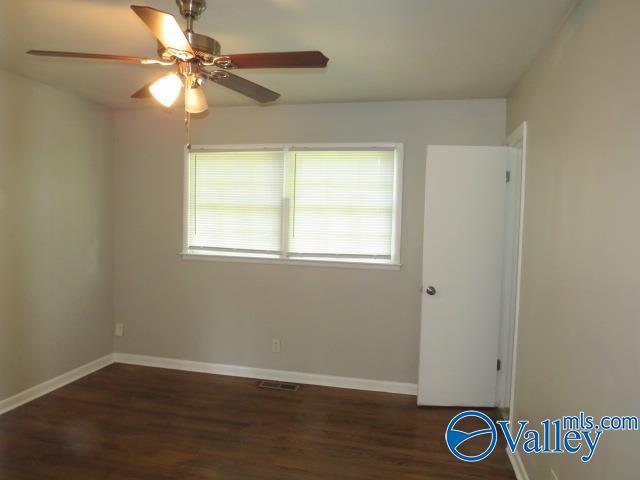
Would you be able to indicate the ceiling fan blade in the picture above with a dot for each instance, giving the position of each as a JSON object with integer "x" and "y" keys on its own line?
{"x": 309, "y": 59}
{"x": 243, "y": 86}
{"x": 98, "y": 56}
{"x": 165, "y": 28}
{"x": 144, "y": 92}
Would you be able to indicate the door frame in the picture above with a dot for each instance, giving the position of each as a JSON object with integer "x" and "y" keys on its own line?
{"x": 519, "y": 135}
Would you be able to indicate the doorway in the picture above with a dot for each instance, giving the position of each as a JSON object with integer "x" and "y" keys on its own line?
{"x": 514, "y": 213}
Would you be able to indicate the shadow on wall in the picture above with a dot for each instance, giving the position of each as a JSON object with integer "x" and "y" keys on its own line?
{"x": 16, "y": 361}
{"x": 55, "y": 240}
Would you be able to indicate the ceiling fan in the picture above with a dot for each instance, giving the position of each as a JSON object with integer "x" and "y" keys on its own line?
{"x": 190, "y": 54}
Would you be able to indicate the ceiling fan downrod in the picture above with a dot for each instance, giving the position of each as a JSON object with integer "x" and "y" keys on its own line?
{"x": 191, "y": 10}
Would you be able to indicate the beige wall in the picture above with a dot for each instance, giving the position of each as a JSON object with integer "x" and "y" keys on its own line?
{"x": 55, "y": 233}
{"x": 337, "y": 321}
{"x": 579, "y": 345}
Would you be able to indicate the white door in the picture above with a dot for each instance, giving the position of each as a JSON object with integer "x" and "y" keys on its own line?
{"x": 462, "y": 275}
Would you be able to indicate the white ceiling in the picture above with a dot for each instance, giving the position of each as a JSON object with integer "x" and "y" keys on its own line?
{"x": 378, "y": 49}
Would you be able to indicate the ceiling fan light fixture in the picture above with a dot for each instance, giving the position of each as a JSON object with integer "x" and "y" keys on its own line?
{"x": 166, "y": 89}
{"x": 195, "y": 100}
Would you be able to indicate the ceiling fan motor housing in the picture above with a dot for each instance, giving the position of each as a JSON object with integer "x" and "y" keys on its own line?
{"x": 207, "y": 49}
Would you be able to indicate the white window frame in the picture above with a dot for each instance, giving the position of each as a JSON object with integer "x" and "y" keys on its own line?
{"x": 282, "y": 259}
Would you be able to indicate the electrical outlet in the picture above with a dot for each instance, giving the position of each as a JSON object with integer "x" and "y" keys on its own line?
{"x": 554, "y": 475}
{"x": 275, "y": 345}
{"x": 118, "y": 330}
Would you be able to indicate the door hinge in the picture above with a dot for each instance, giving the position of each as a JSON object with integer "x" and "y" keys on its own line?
{"x": 508, "y": 176}
{"x": 498, "y": 365}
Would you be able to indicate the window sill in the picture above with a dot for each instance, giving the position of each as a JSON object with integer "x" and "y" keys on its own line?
{"x": 273, "y": 260}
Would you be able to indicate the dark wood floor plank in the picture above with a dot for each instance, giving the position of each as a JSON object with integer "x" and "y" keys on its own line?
{"x": 130, "y": 422}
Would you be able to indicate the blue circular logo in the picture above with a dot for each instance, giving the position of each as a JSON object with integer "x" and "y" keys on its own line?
{"x": 455, "y": 438}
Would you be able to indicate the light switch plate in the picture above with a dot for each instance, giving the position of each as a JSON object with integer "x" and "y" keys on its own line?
{"x": 118, "y": 330}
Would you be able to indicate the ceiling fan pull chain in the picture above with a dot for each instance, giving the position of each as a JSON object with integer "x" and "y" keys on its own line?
{"x": 187, "y": 121}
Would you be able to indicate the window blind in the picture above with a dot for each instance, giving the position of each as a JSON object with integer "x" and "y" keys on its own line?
{"x": 342, "y": 203}
{"x": 235, "y": 200}
{"x": 331, "y": 203}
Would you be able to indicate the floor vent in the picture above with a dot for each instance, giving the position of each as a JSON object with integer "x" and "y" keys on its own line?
{"x": 290, "y": 387}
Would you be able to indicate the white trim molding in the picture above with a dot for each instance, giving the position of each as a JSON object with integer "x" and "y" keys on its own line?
{"x": 267, "y": 374}
{"x": 53, "y": 384}
{"x": 518, "y": 466}
{"x": 519, "y": 135}
{"x": 200, "y": 255}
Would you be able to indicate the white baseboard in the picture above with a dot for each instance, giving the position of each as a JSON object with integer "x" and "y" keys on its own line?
{"x": 220, "y": 369}
{"x": 266, "y": 374}
{"x": 53, "y": 384}
{"x": 518, "y": 466}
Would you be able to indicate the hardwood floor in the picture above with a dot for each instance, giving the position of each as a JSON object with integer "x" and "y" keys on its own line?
{"x": 129, "y": 422}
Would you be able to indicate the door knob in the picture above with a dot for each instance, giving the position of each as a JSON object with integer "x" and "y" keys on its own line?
{"x": 430, "y": 290}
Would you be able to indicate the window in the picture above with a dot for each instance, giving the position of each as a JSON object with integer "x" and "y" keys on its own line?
{"x": 296, "y": 203}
